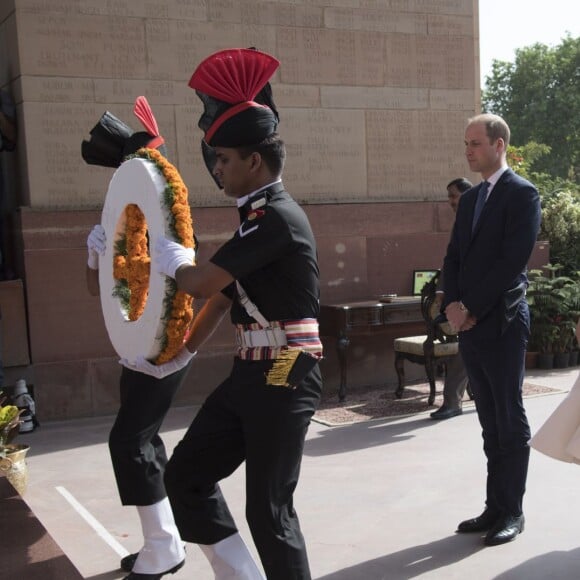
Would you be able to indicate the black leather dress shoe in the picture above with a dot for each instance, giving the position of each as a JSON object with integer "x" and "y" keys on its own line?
{"x": 482, "y": 523}
{"x": 137, "y": 576}
{"x": 128, "y": 562}
{"x": 445, "y": 413}
{"x": 505, "y": 530}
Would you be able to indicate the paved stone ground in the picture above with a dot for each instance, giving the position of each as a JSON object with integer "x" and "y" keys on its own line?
{"x": 378, "y": 500}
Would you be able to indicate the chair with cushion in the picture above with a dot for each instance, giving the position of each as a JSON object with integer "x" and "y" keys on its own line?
{"x": 432, "y": 349}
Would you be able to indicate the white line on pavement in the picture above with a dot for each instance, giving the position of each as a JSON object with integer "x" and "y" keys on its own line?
{"x": 92, "y": 521}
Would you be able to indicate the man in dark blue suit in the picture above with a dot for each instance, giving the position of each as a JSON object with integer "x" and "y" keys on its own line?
{"x": 485, "y": 286}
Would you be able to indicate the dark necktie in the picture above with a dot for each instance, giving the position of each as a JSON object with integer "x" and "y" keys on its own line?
{"x": 481, "y": 197}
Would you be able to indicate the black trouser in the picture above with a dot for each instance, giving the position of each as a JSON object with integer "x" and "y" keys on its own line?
{"x": 137, "y": 451}
{"x": 496, "y": 373}
{"x": 245, "y": 419}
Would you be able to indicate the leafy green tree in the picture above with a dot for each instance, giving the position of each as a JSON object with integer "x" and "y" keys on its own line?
{"x": 539, "y": 96}
{"x": 522, "y": 159}
{"x": 561, "y": 225}
{"x": 560, "y": 206}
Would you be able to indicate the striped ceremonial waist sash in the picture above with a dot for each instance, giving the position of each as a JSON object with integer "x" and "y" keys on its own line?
{"x": 258, "y": 343}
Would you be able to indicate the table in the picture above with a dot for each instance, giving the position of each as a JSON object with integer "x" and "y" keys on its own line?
{"x": 341, "y": 321}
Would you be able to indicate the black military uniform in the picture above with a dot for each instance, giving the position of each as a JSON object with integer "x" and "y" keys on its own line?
{"x": 137, "y": 451}
{"x": 261, "y": 412}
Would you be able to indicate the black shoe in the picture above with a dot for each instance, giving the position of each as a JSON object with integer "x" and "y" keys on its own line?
{"x": 128, "y": 562}
{"x": 137, "y": 576}
{"x": 445, "y": 413}
{"x": 505, "y": 530}
{"x": 486, "y": 521}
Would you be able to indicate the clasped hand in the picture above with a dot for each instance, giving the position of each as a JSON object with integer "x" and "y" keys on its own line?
{"x": 459, "y": 318}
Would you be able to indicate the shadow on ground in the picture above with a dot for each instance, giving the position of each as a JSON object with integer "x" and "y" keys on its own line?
{"x": 414, "y": 561}
{"x": 334, "y": 440}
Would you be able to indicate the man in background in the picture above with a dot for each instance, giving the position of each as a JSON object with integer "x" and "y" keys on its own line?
{"x": 485, "y": 271}
{"x": 455, "y": 189}
{"x": 455, "y": 374}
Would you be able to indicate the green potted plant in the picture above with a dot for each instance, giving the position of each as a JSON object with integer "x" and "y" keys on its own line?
{"x": 547, "y": 335}
{"x": 563, "y": 341}
{"x": 574, "y": 315}
{"x": 554, "y": 310}
{"x": 575, "y": 350}
{"x": 9, "y": 424}
{"x": 12, "y": 457}
{"x": 544, "y": 306}
{"x": 568, "y": 290}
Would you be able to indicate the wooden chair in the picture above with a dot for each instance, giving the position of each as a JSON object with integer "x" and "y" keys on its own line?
{"x": 432, "y": 349}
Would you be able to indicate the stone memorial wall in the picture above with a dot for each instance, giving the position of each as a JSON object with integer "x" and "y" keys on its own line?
{"x": 373, "y": 95}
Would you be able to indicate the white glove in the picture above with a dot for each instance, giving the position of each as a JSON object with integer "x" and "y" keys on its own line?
{"x": 142, "y": 365}
{"x": 96, "y": 244}
{"x": 169, "y": 256}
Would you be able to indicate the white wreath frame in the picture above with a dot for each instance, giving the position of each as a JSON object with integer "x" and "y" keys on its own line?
{"x": 136, "y": 181}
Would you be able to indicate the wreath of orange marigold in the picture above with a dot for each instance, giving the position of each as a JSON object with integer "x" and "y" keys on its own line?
{"x": 135, "y": 266}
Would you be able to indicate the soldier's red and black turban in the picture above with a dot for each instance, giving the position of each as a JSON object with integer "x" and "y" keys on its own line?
{"x": 238, "y": 105}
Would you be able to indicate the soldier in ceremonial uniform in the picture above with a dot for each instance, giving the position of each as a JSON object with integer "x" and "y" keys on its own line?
{"x": 137, "y": 451}
{"x": 267, "y": 277}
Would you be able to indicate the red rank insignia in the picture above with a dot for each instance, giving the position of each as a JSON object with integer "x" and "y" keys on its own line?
{"x": 255, "y": 214}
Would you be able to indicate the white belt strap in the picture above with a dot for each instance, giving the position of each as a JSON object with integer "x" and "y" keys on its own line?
{"x": 251, "y": 308}
{"x": 272, "y": 337}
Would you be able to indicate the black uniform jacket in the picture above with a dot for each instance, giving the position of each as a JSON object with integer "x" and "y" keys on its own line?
{"x": 273, "y": 256}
